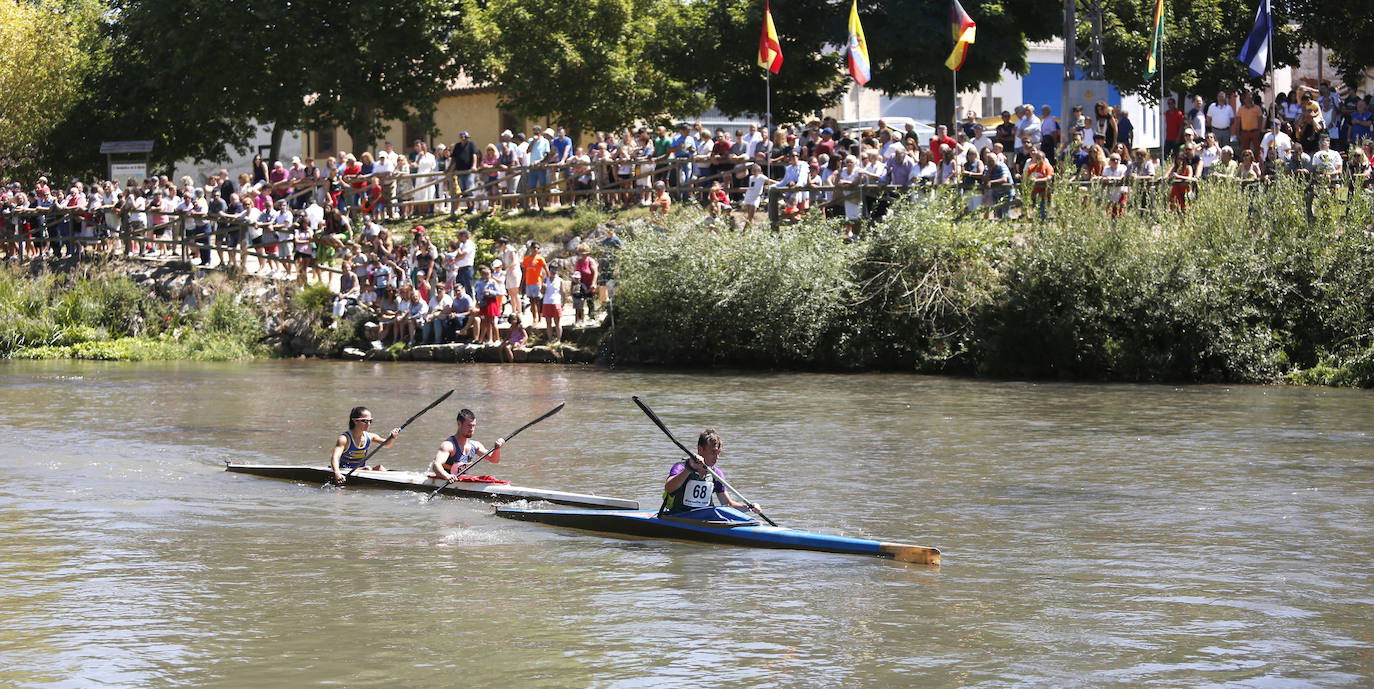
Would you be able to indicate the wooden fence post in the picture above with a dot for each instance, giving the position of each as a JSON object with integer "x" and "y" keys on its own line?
{"x": 181, "y": 237}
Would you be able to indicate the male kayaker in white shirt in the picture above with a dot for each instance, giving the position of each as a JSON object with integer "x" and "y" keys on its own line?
{"x": 353, "y": 446}
{"x": 459, "y": 450}
{"x": 691, "y": 484}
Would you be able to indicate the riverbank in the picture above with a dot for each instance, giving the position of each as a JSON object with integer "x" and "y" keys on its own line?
{"x": 108, "y": 307}
{"x": 104, "y": 307}
{"x": 1243, "y": 287}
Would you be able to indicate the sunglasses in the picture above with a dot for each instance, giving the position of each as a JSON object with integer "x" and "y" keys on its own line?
{"x": 363, "y": 420}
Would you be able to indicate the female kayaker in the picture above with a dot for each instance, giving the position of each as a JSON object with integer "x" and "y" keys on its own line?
{"x": 459, "y": 450}
{"x": 354, "y": 445}
{"x": 692, "y": 484}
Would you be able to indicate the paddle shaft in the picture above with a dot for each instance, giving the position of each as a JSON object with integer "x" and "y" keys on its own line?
{"x": 546, "y": 415}
{"x": 377, "y": 449}
{"x": 654, "y": 417}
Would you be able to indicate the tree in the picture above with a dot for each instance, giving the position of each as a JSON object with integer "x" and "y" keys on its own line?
{"x": 382, "y": 59}
{"x": 908, "y": 41}
{"x": 714, "y": 47}
{"x": 1202, "y": 39}
{"x": 48, "y": 48}
{"x": 1342, "y": 27}
{"x": 585, "y": 65}
{"x": 194, "y": 76}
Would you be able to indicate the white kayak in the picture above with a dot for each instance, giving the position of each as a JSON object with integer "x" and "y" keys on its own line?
{"x": 424, "y": 482}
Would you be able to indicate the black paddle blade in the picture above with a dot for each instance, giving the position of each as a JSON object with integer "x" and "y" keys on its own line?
{"x": 658, "y": 422}
{"x": 432, "y": 405}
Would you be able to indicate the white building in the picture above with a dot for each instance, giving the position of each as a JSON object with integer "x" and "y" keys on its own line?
{"x": 1042, "y": 85}
{"x": 235, "y": 163}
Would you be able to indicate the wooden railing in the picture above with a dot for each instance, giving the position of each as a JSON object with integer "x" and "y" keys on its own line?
{"x": 181, "y": 231}
{"x": 185, "y": 233}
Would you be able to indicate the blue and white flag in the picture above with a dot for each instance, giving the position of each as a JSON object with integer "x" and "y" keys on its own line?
{"x": 1255, "y": 52}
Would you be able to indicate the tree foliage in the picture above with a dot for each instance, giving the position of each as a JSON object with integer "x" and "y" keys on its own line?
{"x": 47, "y": 50}
{"x": 1343, "y": 27}
{"x": 714, "y": 47}
{"x": 1202, "y": 39}
{"x": 378, "y": 60}
{"x": 194, "y": 76}
{"x": 586, "y": 65}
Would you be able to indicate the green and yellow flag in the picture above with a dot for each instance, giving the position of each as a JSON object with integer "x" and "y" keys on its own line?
{"x": 1156, "y": 38}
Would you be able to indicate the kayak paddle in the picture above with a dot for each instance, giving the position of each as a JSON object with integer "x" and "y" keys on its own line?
{"x": 418, "y": 414}
{"x": 546, "y": 415}
{"x": 654, "y": 417}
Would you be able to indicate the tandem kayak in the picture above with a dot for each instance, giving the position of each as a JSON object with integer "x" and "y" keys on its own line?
{"x": 719, "y": 525}
{"x": 417, "y": 481}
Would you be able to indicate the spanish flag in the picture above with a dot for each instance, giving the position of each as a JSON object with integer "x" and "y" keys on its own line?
{"x": 1157, "y": 37}
{"x": 858, "y": 48}
{"x": 963, "y": 35}
{"x": 770, "y": 51}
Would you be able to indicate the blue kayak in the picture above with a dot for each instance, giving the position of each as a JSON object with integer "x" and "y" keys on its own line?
{"x": 718, "y": 525}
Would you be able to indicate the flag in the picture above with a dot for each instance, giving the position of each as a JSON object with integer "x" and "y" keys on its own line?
{"x": 770, "y": 51}
{"x": 858, "y": 48}
{"x": 1152, "y": 65}
{"x": 1255, "y": 53}
{"x": 963, "y": 28}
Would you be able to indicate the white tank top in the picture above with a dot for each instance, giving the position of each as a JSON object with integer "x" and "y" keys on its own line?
{"x": 553, "y": 292}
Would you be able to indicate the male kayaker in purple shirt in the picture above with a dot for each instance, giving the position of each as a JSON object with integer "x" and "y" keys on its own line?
{"x": 691, "y": 484}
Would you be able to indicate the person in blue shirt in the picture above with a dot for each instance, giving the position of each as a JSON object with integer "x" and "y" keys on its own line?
{"x": 1361, "y": 123}
{"x": 999, "y": 183}
{"x": 1125, "y": 131}
{"x": 682, "y": 148}
{"x": 539, "y": 152}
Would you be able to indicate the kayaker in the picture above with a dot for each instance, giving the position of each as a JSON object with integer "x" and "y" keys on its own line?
{"x": 459, "y": 450}
{"x": 691, "y": 484}
{"x": 353, "y": 446}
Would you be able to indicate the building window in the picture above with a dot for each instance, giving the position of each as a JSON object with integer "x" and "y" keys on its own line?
{"x": 992, "y": 106}
{"x": 411, "y": 133}
{"x": 324, "y": 143}
{"x": 508, "y": 121}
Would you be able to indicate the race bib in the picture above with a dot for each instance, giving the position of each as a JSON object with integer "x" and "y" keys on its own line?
{"x": 697, "y": 493}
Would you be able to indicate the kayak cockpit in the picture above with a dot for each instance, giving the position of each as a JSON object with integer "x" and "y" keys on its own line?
{"x": 719, "y": 517}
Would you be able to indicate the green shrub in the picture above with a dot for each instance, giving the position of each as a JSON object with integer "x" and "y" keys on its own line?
{"x": 749, "y": 297}
{"x": 92, "y": 315}
{"x": 1250, "y": 284}
{"x": 921, "y": 280}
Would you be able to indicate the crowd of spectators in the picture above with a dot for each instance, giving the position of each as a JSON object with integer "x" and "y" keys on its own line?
{"x": 425, "y": 294}
{"x": 294, "y": 214}
{"x": 1311, "y": 133}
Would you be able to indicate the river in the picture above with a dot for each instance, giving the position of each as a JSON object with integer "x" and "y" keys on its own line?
{"x": 1093, "y": 535}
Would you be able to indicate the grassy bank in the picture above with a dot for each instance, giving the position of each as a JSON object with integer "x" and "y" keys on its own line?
{"x": 93, "y": 311}
{"x": 1243, "y": 287}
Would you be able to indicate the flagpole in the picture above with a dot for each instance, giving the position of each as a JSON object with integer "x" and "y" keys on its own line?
{"x": 954, "y": 124}
{"x": 1273, "y": 86}
{"x": 1163, "y": 119}
{"x": 768, "y": 103}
